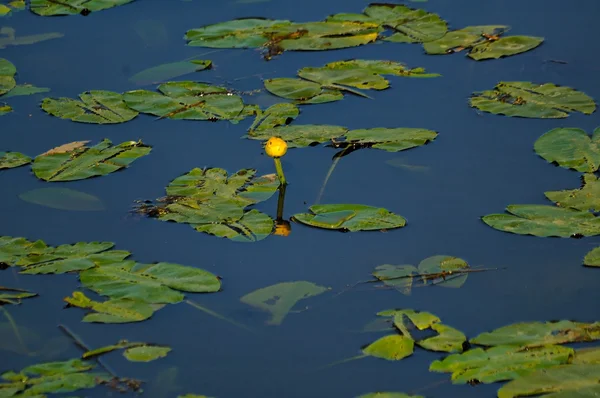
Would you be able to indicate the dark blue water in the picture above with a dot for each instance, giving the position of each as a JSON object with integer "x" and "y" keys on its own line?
{"x": 479, "y": 164}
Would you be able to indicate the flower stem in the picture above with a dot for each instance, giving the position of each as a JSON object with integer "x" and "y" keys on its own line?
{"x": 279, "y": 170}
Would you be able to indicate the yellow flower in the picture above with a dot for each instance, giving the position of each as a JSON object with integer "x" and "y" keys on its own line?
{"x": 276, "y": 147}
{"x": 282, "y": 228}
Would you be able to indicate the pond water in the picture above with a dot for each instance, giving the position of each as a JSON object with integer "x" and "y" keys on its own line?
{"x": 479, "y": 164}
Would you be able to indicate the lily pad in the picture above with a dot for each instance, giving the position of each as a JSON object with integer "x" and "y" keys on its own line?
{"x": 112, "y": 311}
{"x": 570, "y": 148}
{"x": 96, "y": 106}
{"x": 448, "y": 339}
{"x": 187, "y": 100}
{"x": 526, "y": 99}
{"x": 8, "y": 37}
{"x": 350, "y": 217}
{"x": 146, "y": 353}
{"x": 540, "y": 220}
{"x": 504, "y": 362}
{"x": 7, "y": 73}
{"x": 302, "y": 91}
{"x": 535, "y": 334}
{"x": 564, "y": 381}
{"x": 4, "y": 109}
{"x": 393, "y": 347}
{"x": 404, "y": 319}
{"x": 276, "y": 115}
{"x": 71, "y": 7}
{"x": 85, "y": 162}
{"x": 51, "y": 378}
{"x": 251, "y": 227}
{"x": 390, "y": 139}
{"x": 38, "y": 258}
{"x": 587, "y": 356}
{"x": 25, "y": 89}
{"x": 587, "y": 198}
{"x": 63, "y": 199}
{"x": 484, "y": 42}
{"x": 592, "y": 259}
{"x": 14, "y": 296}
{"x": 149, "y": 283}
{"x": 164, "y": 72}
{"x": 389, "y": 394}
{"x": 300, "y": 136}
{"x": 9, "y": 160}
{"x": 279, "y": 299}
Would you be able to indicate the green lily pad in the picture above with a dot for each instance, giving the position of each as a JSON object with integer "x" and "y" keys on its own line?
{"x": 404, "y": 319}
{"x": 587, "y": 356}
{"x": 300, "y": 136}
{"x": 484, "y": 42}
{"x": 525, "y": 99}
{"x": 350, "y": 217}
{"x": 251, "y": 227}
{"x": 592, "y": 258}
{"x": 400, "y": 277}
{"x": 96, "y": 106}
{"x": 392, "y": 347}
{"x": 146, "y": 353}
{"x": 164, "y": 72}
{"x": 38, "y": 258}
{"x": 4, "y": 10}
{"x": 535, "y": 334}
{"x": 448, "y": 339}
{"x": 85, "y": 162}
{"x": 276, "y": 36}
{"x": 63, "y": 199}
{"x": 276, "y": 115}
{"x": 504, "y": 362}
{"x": 51, "y": 378}
{"x": 563, "y": 381}
{"x": 14, "y": 296}
{"x": 25, "y": 89}
{"x": 7, "y": 73}
{"x": 302, "y": 91}
{"x": 587, "y": 198}
{"x": 4, "y": 109}
{"x": 149, "y": 283}
{"x": 540, "y": 220}
{"x": 390, "y": 139}
{"x": 71, "y": 7}
{"x": 113, "y": 310}
{"x": 279, "y": 299}
{"x": 8, "y": 37}
{"x": 570, "y": 148}
{"x": 187, "y": 100}
{"x": 389, "y": 394}
{"x": 9, "y": 160}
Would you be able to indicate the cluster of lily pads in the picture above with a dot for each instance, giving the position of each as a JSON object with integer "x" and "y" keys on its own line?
{"x": 9, "y": 87}
{"x": 378, "y": 21}
{"x": 529, "y": 355}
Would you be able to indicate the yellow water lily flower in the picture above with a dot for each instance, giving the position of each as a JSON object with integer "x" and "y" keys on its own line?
{"x": 276, "y": 147}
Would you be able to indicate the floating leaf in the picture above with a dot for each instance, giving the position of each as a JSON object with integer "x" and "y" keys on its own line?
{"x": 51, "y": 378}
{"x": 483, "y": 41}
{"x": 525, "y": 99}
{"x": 390, "y": 140}
{"x": 592, "y": 259}
{"x": 149, "y": 283}
{"x": 71, "y": 7}
{"x": 535, "y": 334}
{"x": 38, "y": 258}
{"x": 570, "y": 148}
{"x": 9, "y": 160}
{"x": 13, "y": 296}
{"x": 4, "y": 109}
{"x": 500, "y": 363}
{"x": 587, "y": 198}
{"x": 279, "y": 299}
{"x": 146, "y": 353}
{"x": 300, "y": 135}
{"x": 302, "y": 91}
{"x": 442, "y": 270}
{"x": 251, "y": 227}
{"x": 420, "y": 319}
{"x": 276, "y": 115}
{"x": 389, "y": 394}
{"x": 85, "y": 162}
{"x": 448, "y": 339}
{"x": 113, "y": 310}
{"x": 161, "y": 73}
{"x": 392, "y": 347}
{"x": 96, "y": 106}
{"x": 350, "y": 217}
{"x": 186, "y": 100}
{"x": 7, "y": 73}
{"x": 25, "y": 89}
{"x": 587, "y": 356}
{"x": 565, "y": 381}
{"x": 399, "y": 277}
{"x": 63, "y": 199}
{"x": 8, "y": 37}
{"x": 540, "y": 220}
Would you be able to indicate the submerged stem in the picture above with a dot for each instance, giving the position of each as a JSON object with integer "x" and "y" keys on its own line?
{"x": 218, "y": 316}
{"x": 279, "y": 170}
{"x": 15, "y": 329}
{"x": 329, "y": 173}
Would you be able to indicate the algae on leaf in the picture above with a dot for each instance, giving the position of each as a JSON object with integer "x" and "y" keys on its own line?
{"x": 350, "y": 217}
{"x": 113, "y": 310}
{"x": 96, "y": 106}
{"x": 279, "y": 299}
{"x": 571, "y": 148}
{"x": 84, "y": 162}
{"x": 526, "y": 99}
{"x": 541, "y": 220}
{"x": 9, "y": 160}
{"x": 161, "y": 73}
{"x": 71, "y": 7}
